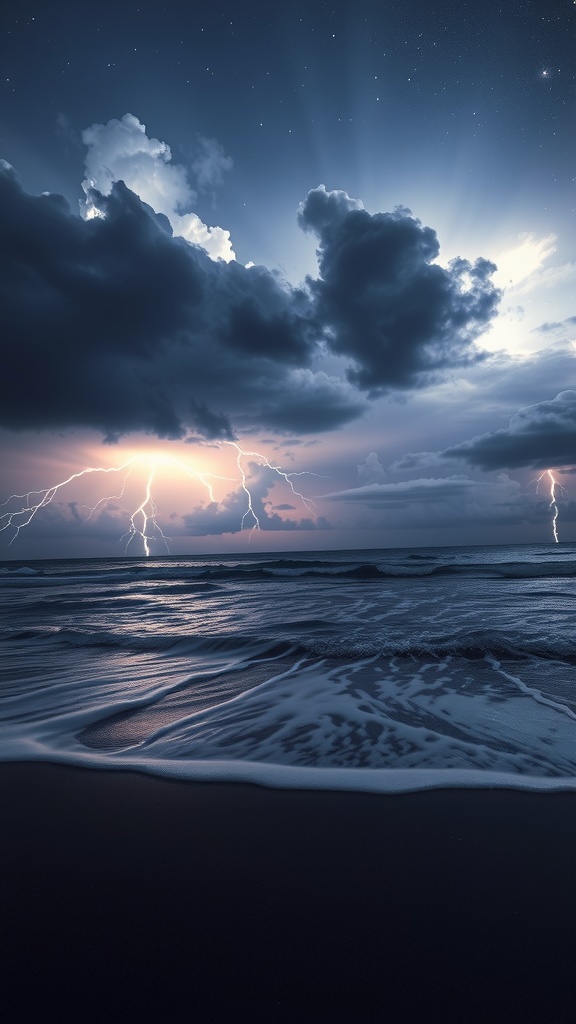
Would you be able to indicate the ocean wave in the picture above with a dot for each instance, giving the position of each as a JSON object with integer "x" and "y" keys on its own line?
{"x": 314, "y": 638}
{"x": 13, "y": 578}
{"x": 369, "y": 566}
{"x": 176, "y": 644}
{"x": 344, "y": 670}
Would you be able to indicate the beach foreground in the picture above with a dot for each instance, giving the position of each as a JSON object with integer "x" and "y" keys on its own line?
{"x": 127, "y": 896}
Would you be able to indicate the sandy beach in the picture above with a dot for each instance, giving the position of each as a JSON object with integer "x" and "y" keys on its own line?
{"x": 128, "y": 897}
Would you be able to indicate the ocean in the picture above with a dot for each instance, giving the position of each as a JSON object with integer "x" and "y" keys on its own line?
{"x": 379, "y": 670}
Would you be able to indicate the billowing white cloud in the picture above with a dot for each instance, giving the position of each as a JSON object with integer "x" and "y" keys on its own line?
{"x": 121, "y": 151}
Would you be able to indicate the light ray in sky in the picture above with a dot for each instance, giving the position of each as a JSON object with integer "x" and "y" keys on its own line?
{"x": 144, "y": 519}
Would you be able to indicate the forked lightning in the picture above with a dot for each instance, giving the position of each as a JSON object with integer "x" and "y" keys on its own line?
{"x": 143, "y": 520}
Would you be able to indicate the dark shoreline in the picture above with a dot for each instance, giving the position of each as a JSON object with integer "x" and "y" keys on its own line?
{"x": 126, "y": 896}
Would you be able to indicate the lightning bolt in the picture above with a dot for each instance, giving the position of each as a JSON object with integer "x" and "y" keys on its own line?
{"x": 553, "y": 500}
{"x": 24, "y": 516}
{"x": 240, "y": 452}
{"x": 143, "y": 521}
{"x": 148, "y": 512}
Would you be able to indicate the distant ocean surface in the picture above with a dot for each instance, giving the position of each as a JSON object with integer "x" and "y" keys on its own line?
{"x": 385, "y": 670}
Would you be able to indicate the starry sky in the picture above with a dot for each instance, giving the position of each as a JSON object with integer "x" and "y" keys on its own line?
{"x": 335, "y": 239}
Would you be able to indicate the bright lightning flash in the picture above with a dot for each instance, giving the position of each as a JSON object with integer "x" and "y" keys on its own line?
{"x": 143, "y": 521}
{"x": 554, "y": 484}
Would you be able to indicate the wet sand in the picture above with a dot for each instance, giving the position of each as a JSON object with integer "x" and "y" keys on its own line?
{"x": 127, "y": 897}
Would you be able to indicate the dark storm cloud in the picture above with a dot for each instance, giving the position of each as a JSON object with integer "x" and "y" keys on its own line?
{"x": 115, "y": 324}
{"x": 208, "y": 423}
{"x": 542, "y": 436}
{"x": 402, "y": 319}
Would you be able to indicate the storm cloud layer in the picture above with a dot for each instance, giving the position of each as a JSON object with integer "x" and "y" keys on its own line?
{"x": 400, "y": 317}
{"x": 540, "y": 436}
{"x": 115, "y": 324}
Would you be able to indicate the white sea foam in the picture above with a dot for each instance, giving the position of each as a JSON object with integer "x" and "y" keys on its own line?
{"x": 338, "y": 682}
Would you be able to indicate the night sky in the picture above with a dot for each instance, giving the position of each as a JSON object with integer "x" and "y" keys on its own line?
{"x": 340, "y": 236}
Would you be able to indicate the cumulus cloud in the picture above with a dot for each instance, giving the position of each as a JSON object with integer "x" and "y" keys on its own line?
{"x": 371, "y": 470}
{"x": 113, "y": 323}
{"x": 541, "y": 436}
{"x": 116, "y": 322}
{"x": 121, "y": 151}
{"x": 402, "y": 319}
